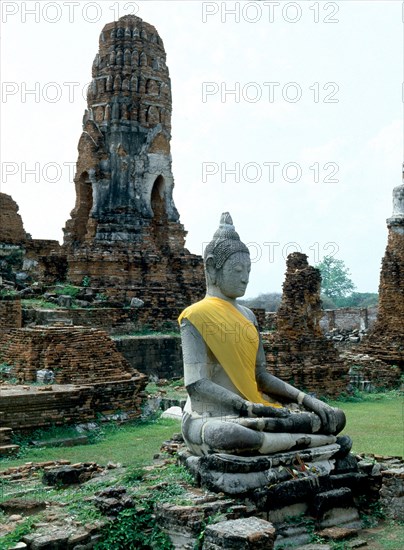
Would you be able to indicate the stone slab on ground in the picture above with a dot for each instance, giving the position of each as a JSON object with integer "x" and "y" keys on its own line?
{"x": 22, "y": 505}
{"x": 357, "y": 543}
{"x": 337, "y": 533}
{"x": 240, "y": 534}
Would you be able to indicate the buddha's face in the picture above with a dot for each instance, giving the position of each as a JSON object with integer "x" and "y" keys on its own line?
{"x": 233, "y": 278}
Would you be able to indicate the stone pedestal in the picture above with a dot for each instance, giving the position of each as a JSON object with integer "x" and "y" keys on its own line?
{"x": 239, "y": 475}
{"x": 315, "y": 485}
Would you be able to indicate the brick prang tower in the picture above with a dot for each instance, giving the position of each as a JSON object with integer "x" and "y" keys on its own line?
{"x": 124, "y": 232}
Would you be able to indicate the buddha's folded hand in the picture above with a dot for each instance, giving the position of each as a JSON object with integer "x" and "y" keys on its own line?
{"x": 329, "y": 416}
{"x": 254, "y": 410}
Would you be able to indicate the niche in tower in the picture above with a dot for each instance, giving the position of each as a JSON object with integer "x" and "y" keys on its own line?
{"x": 85, "y": 204}
{"x": 158, "y": 206}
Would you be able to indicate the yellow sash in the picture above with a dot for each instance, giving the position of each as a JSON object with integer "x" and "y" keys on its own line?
{"x": 233, "y": 340}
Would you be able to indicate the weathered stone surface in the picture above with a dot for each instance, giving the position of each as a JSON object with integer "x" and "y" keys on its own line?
{"x": 240, "y": 534}
{"x": 27, "y": 506}
{"x": 237, "y": 475}
{"x": 298, "y": 352}
{"x": 338, "y": 533}
{"x": 113, "y": 500}
{"x": 185, "y": 523}
{"x": 65, "y": 301}
{"x": 64, "y": 475}
{"x": 386, "y": 340}
{"x": 11, "y": 226}
{"x": 26, "y": 407}
{"x": 392, "y": 493}
{"x": 23, "y": 258}
{"x": 330, "y": 499}
{"x": 347, "y": 517}
{"x": 136, "y": 302}
{"x": 124, "y": 232}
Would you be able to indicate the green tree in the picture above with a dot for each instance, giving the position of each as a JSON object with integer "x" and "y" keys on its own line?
{"x": 336, "y": 279}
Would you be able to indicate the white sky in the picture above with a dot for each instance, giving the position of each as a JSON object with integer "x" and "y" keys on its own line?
{"x": 355, "y": 61}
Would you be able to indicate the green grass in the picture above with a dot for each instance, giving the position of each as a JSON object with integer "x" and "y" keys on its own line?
{"x": 388, "y": 535}
{"x": 376, "y": 424}
{"x": 129, "y": 444}
{"x": 173, "y": 390}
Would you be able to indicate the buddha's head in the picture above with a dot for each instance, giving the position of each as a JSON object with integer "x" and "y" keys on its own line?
{"x": 227, "y": 261}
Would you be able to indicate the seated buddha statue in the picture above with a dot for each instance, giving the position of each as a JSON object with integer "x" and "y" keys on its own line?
{"x": 234, "y": 404}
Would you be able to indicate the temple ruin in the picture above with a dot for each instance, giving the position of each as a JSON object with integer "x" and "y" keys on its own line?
{"x": 386, "y": 341}
{"x": 124, "y": 238}
{"x": 297, "y": 351}
{"x": 11, "y": 226}
{"x": 124, "y": 232}
{"x": 89, "y": 377}
{"x": 23, "y": 259}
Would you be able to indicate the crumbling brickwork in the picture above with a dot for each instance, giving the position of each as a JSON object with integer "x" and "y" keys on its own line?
{"x": 11, "y": 226}
{"x": 386, "y": 340}
{"x": 297, "y": 351}
{"x": 35, "y": 260}
{"x": 28, "y": 407}
{"x": 45, "y": 261}
{"x": 76, "y": 355}
{"x": 10, "y": 313}
{"x": 125, "y": 232}
{"x": 84, "y": 357}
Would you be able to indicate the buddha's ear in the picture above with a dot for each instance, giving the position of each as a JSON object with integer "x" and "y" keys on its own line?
{"x": 211, "y": 270}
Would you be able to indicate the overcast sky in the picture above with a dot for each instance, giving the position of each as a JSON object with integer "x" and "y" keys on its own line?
{"x": 286, "y": 114}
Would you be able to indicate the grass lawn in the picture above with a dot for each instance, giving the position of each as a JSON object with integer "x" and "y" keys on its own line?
{"x": 376, "y": 424}
{"x": 129, "y": 444}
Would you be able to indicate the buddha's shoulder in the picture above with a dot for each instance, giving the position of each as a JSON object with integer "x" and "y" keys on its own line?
{"x": 247, "y": 313}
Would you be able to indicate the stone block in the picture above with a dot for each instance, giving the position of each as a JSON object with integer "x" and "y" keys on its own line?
{"x": 335, "y": 498}
{"x": 22, "y": 505}
{"x": 338, "y": 533}
{"x": 66, "y": 475}
{"x": 240, "y": 534}
{"x": 347, "y": 517}
{"x": 65, "y": 301}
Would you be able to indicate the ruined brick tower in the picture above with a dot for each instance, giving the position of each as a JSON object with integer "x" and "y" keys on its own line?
{"x": 386, "y": 341}
{"x": 124, "y": 232}
{"x": 298, "y": 352}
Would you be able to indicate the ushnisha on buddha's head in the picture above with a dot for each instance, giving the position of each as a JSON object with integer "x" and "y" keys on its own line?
{"x": 227, "y": 262}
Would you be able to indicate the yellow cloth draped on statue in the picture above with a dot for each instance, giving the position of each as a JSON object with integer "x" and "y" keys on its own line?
{"x": 233, "y": 340}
